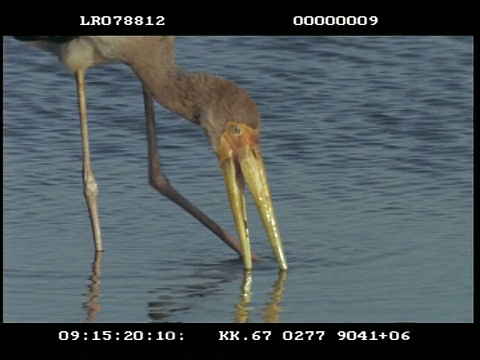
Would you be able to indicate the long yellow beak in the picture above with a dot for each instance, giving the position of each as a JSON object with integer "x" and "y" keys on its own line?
{"x": 240, "y": 159}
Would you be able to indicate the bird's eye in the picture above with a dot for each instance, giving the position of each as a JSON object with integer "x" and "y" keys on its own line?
{"x": 235, "y": 129}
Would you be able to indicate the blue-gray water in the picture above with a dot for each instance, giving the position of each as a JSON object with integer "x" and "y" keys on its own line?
{"x": 368, "y": 145}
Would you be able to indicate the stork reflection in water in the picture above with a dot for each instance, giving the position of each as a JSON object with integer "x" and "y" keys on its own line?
{"x": 223, "y": 110}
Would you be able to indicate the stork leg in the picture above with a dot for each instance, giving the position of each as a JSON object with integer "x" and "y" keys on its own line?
{"x": 159, "y": 181}
{"x": 90, "y": 188}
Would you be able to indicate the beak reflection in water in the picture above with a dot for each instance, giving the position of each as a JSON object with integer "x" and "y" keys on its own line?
{"x": 240, "y": 159}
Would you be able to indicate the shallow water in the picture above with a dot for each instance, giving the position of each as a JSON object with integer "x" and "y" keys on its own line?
{"x": 368, "y": 144}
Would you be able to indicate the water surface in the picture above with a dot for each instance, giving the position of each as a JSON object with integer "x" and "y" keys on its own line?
{"x": 368, "y": 144}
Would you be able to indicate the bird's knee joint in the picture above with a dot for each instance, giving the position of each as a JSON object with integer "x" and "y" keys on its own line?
{"x": 158, "y": 182}
{"x": 90, "y": 187}
{"x": 157, "y": 179}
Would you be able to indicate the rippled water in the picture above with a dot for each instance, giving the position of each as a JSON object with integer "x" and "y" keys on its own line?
{"x": 368, "y": 143}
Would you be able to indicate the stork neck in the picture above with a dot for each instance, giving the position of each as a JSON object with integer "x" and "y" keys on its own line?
{"x": 183, "y": 93}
